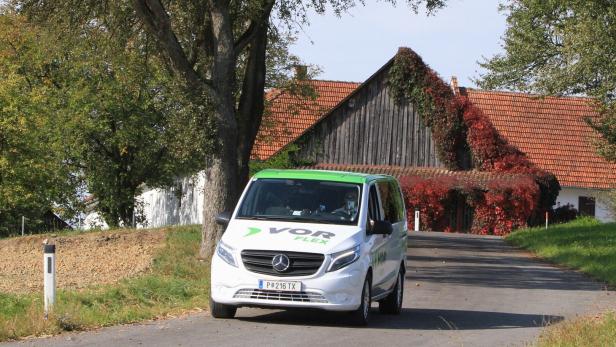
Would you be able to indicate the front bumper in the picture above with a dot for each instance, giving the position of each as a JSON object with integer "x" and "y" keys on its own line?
{"x": 335, "y": 291}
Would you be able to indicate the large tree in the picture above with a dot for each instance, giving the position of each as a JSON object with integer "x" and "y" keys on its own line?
{"x": 216, "y": 51}
{"x": 114, "y": 113}
{"x": 33, "y": 176}
{"x": 561, "y": 47}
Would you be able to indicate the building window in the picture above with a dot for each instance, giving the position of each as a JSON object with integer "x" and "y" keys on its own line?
{"x": 586, "y": 206}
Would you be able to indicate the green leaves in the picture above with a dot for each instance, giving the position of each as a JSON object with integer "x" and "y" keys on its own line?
{"x": 34, "y": 177}
{"x": 560, "y": 47}
{"x": 87, "y": 109}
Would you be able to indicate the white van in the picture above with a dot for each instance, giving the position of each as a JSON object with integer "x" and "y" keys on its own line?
{"x": 316, "y": 239}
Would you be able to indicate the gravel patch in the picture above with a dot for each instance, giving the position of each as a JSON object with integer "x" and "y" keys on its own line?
{"x": 82, "y": 260}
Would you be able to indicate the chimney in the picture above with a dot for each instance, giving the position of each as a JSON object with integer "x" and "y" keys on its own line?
{"x": 454, "y": 85}
{"x": 301, "y": 72}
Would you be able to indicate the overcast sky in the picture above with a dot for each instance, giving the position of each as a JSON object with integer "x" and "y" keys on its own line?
{"x": 353, "y": 47}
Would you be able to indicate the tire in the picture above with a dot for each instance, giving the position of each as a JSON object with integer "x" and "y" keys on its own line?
{"x": 392, "y": 304}
{"x": 221, "y": 310}
{"x": 361, "y": 316}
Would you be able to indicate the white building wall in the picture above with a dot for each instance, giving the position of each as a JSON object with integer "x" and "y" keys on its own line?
{"x": 93, "y": 220}
{"x": 570, "y": 195}
{"x": 181, "y": 204}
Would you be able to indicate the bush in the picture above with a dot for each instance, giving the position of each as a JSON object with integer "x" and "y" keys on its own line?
{"x": 431, "y": 196}
{"x": 504, "y": 206}
{"x": 563, "y": 214}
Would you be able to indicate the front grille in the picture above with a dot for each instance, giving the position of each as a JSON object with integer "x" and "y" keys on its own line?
{"x": 279, "y": 296}
{"x": 302, "y": 264}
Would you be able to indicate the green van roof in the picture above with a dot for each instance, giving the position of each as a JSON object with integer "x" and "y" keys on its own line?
{"x": 322, "y": 175}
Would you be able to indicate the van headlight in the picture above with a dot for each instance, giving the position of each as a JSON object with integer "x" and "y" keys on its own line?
{"x": 225, "y": 252}
{"x": 344, "y": 258}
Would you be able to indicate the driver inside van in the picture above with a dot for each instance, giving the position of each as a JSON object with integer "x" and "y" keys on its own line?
{"x": 350, "y": 205}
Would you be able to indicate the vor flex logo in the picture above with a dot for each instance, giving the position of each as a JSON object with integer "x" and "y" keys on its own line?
{"x": 301, "y": 234}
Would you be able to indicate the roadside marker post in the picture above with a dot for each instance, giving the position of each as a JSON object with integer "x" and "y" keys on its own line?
{"x": 547, "y": 217}
{"x": 23, "y": 225}
{"x": 49, "y": 277}
{"x": 416, "y": 219}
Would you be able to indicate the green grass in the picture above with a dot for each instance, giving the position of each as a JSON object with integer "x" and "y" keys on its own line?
{"x": 177, "y": 282}
{"x": 583, "y": 244}
{"x": 586, "y": 245}
{"x": 581, "y": 332}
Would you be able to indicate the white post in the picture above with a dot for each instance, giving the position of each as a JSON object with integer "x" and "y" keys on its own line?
{"x": 416, "y": 219}
{"x": 49, "y": 278}
{"x": 546, "y": 219}
{"x": 23, "y": 225}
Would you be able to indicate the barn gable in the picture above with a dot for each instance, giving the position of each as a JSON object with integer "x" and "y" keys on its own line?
{"x": 368, "y": 127}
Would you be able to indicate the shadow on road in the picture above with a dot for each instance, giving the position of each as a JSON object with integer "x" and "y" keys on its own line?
{"x": 485, "y": 262}
{"x": 418, "y": 319}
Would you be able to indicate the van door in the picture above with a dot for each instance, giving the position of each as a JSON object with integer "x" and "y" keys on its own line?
{"x": 377, "y": 243}
{"x": 392, "y": 206}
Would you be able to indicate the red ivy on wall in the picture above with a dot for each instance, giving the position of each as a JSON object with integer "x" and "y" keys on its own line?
{"x": 460, "y": 128}
{"x": 431, "y": 196}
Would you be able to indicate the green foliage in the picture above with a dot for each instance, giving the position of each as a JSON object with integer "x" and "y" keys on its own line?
{"x": 118, "y": 120}
{"x": 606, "y": 126}
{"x": 34, "y": 177}
{"x": 583, "y": 244}
{"x": 560, "y": 47}
{"x": 285, "y": 159}
{"x": 177, "y": 282}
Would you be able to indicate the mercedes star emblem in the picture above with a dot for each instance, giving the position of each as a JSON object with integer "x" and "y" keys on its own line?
{"x": 281, "y": 263}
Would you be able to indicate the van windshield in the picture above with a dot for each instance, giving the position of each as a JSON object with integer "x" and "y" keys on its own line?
{"x": 308, "y": 201}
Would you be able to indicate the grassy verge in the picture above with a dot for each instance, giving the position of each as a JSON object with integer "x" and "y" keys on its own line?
{"x": 583, "y": 244}
{"x": 176, "y": 282}
{"x": 582, "y": 332}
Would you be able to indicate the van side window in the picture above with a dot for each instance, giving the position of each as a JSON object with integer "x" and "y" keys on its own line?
{"x": 373, "y": 205}
{"x": 398, "y": 200}
{"x": 391, "y": 200}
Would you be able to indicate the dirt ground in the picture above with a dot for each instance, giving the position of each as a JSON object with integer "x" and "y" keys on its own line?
{"x": 81, "y": 260}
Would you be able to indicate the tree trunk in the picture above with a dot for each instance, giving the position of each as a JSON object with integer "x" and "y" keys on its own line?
{"x": 220, "y": 189}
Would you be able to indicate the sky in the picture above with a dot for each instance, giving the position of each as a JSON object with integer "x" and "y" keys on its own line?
{"x": 451, "y": 41}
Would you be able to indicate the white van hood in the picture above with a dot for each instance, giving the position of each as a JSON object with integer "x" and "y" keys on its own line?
{"x": 290, "y": 236}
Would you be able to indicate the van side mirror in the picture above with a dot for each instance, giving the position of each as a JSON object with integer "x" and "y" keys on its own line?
{"x": 381, "y": 227}
{"x": 223, "y": 218}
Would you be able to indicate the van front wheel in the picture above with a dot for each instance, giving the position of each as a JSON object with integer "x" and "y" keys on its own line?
{"x": 219, "y": 310}
{"x": 360, "y": 316}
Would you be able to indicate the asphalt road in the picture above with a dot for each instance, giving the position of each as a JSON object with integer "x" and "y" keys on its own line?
{"x": 461, "y": 290}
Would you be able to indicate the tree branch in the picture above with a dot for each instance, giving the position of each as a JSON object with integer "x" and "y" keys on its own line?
{"x": 251, "y": 31}
{"x": 155, "y": 17}
{"x": 252, "y": 99}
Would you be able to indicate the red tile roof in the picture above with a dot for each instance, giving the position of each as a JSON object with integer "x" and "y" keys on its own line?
{"x": 552, "y": 133}
{"x": 291, "y": 115}
{"x": 481, "y": 178}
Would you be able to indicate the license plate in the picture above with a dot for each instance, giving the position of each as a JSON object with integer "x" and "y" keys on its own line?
{"x": 286, "y": 286}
